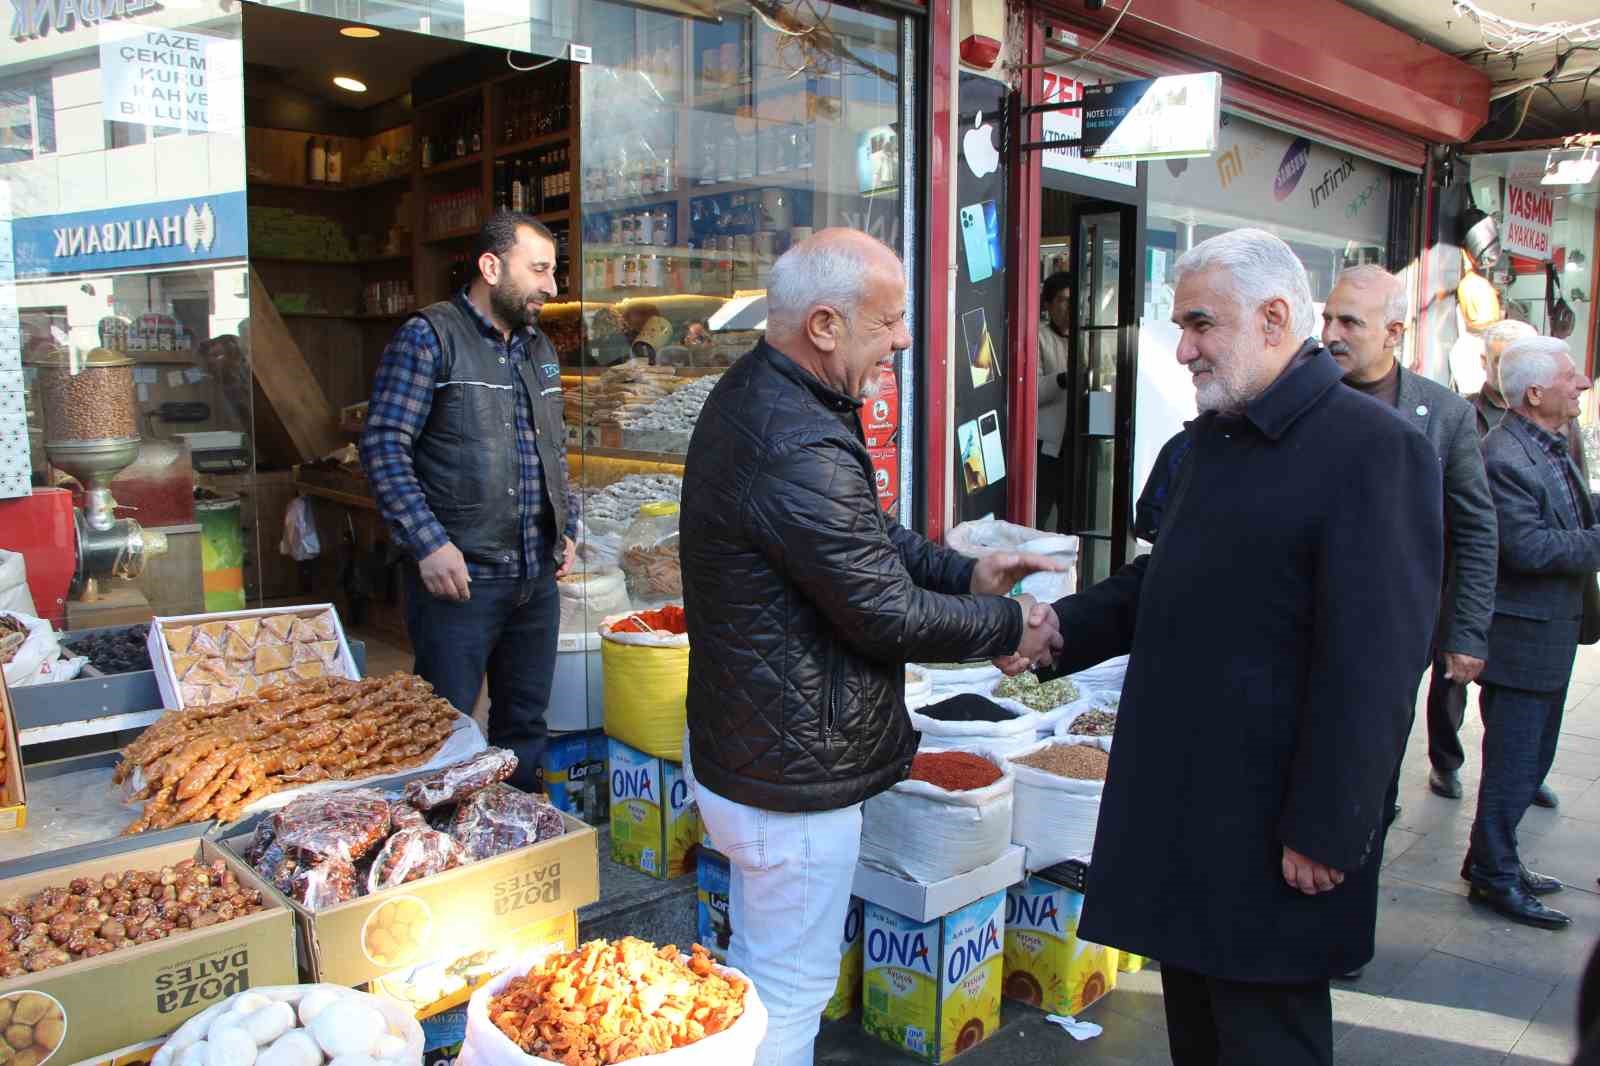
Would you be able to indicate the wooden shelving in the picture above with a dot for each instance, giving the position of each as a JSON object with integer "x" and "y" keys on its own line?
{"x": 352, "y": 316}
{"x": 451, "y": 235}
{"x": 359, "y": 261}
{"x": 340, "y": 187}
{"x": 544, "y": 140}
{"x": 451, "y": 165}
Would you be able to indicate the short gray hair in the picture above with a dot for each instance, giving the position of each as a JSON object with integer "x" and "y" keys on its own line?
{"x": 1397, "y": 305}
{"x": 1262, "y": 267}
{"x": 816, "y": 272}
{"x": 1506, "y": 331}
{"x": 1528, "y": 362}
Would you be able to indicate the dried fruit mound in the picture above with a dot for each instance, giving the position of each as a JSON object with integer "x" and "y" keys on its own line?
{"x": 954, "y": 771}
{"x": 613, "y": 1001}
{"x": 668, "y": 619}
{"x": 1078, "y": 761}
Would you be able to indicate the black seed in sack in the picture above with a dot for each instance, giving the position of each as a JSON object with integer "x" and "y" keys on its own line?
{"x": 501, "y": 818}
{"x": 966, "y": 707}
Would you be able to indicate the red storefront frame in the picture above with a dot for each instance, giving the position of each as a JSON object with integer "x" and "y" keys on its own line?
{"x": 1317, "y": 66}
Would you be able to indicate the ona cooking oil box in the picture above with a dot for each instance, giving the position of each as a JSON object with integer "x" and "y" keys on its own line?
{"x": 933, "y": 987}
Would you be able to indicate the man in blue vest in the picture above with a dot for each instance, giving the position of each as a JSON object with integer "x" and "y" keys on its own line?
{"x": 466, "y": 452}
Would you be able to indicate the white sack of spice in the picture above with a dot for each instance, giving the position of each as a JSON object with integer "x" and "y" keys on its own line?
{"x": 921, "y": 831}
{"x": 1054, "y": 816}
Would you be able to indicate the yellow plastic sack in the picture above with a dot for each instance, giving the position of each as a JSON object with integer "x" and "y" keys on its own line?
{"x": 645, "y": 681}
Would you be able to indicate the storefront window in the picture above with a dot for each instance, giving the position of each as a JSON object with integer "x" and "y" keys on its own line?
{"x": 123, "y": 302}
{"x": 708, "y": 148}
{"x": 1547, "y": 233}
{"x": 1332, "y": 207}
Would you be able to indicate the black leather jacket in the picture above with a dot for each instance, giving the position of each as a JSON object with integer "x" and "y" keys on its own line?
{"x": 804, "y": 603}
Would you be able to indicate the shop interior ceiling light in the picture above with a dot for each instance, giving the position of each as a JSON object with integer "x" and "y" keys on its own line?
{"x": 1571, "y": 166}
{"x": 361, "y": 33}
{"x": 351, "y": 84}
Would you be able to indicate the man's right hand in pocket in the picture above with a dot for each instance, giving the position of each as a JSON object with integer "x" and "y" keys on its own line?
{"x": 444, "y": 574}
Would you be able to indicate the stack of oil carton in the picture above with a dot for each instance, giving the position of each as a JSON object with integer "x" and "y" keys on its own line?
{"x": 655, "y": 824}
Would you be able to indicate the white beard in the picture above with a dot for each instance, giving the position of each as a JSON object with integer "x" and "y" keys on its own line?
{"x": 1225, "y": 391}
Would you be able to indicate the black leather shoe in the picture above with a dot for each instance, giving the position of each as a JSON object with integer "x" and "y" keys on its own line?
{"x": 1518, "y": 905}
{"x": 1546, "y": 798}
{"x": 1540, "y": 884}
{"x": 1446, "y": 783}
{"x": 1353, "y": 975}
{"x": 1537, "y": 884}
{"x": 1394, "y": 813}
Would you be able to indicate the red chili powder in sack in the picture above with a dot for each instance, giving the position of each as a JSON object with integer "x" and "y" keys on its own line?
{"x": 954, "y": 771}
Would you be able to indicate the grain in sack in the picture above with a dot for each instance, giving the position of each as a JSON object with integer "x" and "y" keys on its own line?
{"x": 1057, "y": 800}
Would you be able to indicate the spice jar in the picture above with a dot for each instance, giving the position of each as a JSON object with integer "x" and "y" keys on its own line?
{"x": 650, "y": 554}
{"x": 89, "y": 396}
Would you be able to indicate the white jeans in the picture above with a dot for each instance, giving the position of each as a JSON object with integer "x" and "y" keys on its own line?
{"x": 789, "y": 891}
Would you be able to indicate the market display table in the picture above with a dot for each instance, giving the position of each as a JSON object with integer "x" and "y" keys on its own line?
{"x": 72, "y": 802}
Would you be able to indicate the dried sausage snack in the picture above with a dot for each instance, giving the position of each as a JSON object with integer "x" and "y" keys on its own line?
{"x": 455, "y": 783}
{"x": 501, "y": 818}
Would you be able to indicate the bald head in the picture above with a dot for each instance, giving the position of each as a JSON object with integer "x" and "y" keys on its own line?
{"x": 1364, "y": 321}
{"x": 836, "y": 304}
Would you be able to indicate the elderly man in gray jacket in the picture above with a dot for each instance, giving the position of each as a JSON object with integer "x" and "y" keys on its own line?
{"x": 1546, "y": 604}
{"x": 1363, "y": 323}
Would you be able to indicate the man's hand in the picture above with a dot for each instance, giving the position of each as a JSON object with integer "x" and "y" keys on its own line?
{"x": 444, "y": 574}
{"x": 1309, "y": 876}
{"x": 998, "y": 574}
{"x": 1039, "y": 617}
{"x": 570, "y": 555}
{"x": 1461, "y": 669}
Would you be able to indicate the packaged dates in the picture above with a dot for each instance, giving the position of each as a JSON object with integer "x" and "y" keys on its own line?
{"x": 501, "y": 818}
{"x": 412, "y": 854}
{"x": 455, "y": 783}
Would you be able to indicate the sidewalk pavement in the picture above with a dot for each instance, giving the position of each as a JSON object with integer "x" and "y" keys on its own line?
{"x": 1452, "y": 983}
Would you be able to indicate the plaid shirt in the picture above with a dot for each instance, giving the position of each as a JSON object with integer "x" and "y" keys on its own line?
{"x": 402, "y": 397}
{"x": 1559, "y": 451}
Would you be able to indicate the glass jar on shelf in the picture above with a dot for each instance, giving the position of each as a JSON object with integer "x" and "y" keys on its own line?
{"x": 649, "y": 557}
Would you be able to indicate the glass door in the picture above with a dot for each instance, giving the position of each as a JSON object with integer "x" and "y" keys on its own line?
{"x": 1098, "y": 431}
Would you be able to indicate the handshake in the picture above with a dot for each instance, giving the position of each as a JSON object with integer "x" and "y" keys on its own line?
{"x": 998, "y": 574}
{"x": 1041, "y": 638}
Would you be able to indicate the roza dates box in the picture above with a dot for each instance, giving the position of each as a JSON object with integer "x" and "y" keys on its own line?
{"x": 451, "y": 913}
{"x": 144, "y": 992}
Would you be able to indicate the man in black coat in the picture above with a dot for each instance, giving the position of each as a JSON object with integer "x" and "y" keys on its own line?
{"x": 1546, "y": 603}
{"x": 1285, "y": 612}
{"x": 1363, "y": 323}
{"x": 804, "y": 604}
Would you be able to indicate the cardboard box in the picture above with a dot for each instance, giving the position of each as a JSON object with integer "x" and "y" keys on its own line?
{"x": 145, "y": 992}
{"x": 715, "y": 927}
{"x": 926, "y": 902}
{"x": 14, "y": 804}
{"x": 1127, "y": 962}
{"x": 933, "y": 987}
{"x": 460, "y": 910}
{"x": 655, "y": 825}
{"x": 161, "y": 655}
{"x": 446, "y": 983}
{"x": 1046, "y": 965}
{"x": 442, "y": 1037}
{"x": 575, "y": 775}
{"x": 847, "y": 992}
{"x": 140, "y": 1054}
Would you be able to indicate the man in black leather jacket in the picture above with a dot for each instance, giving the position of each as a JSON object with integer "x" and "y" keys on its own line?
{"x": 804, "y": 604}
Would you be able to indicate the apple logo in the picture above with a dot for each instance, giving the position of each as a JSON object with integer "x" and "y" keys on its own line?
{"x": 978, "y": 147}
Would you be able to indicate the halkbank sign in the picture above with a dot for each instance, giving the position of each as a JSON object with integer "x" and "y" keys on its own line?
{"x": 31, "y": 19}
{"x": 176, "y": 231}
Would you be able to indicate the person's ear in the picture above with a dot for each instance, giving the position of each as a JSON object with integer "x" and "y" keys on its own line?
{"x": 489, "y": 266}
{"x": 1394, "y": 334}
{"x": 1276, "y": 319}
{"x": 822, "y": 328}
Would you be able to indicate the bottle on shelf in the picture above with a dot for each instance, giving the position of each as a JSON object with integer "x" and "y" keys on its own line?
{"x": 317, "y": 171}
{"x": 477, "y": 133}
{"x": 502, "y": 186}
{"x": 461, "y": 143}
{"x": 427, "y": 151}
{"x": 335, "y": 163}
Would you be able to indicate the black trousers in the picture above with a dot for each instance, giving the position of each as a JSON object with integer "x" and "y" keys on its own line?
{"x": 507, "y": 630}
{"x": 1051, "y": 480}
{"x": 1520, "y": 733}
{"x": 1212, "y": 1022}
{"x": 1447, "y": 709}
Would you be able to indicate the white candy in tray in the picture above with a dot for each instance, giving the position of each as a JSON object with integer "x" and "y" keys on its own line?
{"x": 297, "y": 1025}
